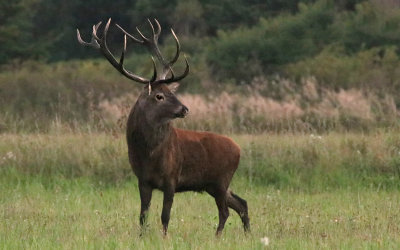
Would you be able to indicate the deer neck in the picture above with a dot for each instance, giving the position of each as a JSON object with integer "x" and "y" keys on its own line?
{"x": 147, "y": 134}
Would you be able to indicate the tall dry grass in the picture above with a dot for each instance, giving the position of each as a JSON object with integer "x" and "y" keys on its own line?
{"x": 90, "y": 96}
{"x": 309, "y": 109}
{"x": 286, "y": 161}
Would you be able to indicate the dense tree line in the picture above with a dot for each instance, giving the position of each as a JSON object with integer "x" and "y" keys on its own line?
{"x": 274, "y": 43}
{"x": 45, "y": 29}
{"x": 236, "y": 39}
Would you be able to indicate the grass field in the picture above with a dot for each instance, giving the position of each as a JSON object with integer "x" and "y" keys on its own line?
{"x": 76, "y": 191}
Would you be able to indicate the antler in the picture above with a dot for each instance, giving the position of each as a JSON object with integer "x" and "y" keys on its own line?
{"x": 151, "y": 44}
{"x": 101, "y": 44}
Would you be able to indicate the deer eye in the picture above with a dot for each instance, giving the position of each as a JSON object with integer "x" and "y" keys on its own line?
{"x": 159, "y": 97}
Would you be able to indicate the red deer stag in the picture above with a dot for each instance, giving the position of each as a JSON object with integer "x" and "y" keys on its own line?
{"x": 166, "y": 158}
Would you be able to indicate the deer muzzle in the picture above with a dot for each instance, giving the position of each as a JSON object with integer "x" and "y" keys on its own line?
{"x": 183, "y": 112}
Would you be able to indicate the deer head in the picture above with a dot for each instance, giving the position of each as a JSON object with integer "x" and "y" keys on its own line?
{"x": 158, "y": 101}
{"x": 161, "y": 105}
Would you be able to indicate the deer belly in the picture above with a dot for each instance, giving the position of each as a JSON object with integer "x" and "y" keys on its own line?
{"x": 192, "y": 180}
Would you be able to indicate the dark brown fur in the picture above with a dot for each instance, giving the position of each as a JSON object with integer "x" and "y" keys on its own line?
{"x": 174, "y": 160}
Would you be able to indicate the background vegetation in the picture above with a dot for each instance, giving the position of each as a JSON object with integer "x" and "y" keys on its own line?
{"x": 262, "y": 65}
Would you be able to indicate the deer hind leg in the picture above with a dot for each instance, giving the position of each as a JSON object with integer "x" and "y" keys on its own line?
{"x": 240, "y": 206}
{"x": 223, "y": 211}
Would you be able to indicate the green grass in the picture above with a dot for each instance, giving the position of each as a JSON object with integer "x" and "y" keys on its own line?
{"x": 78, "y": 213}
{"x": 76, "y": 191}
{"x": 302, "y": 162}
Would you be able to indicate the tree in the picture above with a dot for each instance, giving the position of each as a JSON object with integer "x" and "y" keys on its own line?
{"x": 16, "y": 37}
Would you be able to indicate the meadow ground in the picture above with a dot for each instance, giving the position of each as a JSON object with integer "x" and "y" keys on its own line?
{"x": 76, "y": 191}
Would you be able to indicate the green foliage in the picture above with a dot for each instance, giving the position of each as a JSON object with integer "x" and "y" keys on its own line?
{"x": 342, "y": 45}
{"x": 245, "y": 53}
{"x": 275, "y": 44}
{"x": 16, "y": 37}
{"x": 34, "y": 94}
{"x": 225, "y": 14}
{"x": 92, "y": 95}
{"x": 248, "y": 39}
{"x": 188, "y": 18}
{"x": 375, "y": 69}
{"x": 369, "y": 26}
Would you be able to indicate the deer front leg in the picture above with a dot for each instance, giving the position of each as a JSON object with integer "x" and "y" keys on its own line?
{"x": 145, "y": 198}
{"x": 167, "y": 204}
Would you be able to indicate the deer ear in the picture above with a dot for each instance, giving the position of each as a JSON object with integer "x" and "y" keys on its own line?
{"x": 173, "y": 87}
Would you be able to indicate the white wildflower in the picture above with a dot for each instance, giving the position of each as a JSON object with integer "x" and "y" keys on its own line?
{"x": 10, "y": 155}
{"x": 265, "y": 241}
{"x": 315, "y": 137}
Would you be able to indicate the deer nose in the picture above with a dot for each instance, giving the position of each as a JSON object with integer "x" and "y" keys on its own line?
{"x": 185, "y": 110}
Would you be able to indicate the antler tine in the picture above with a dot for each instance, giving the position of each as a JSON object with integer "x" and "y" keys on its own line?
{"x": 178, "y": 48}
{"x": 119, "y": 66}
{"x": 142, "y": 36}
{"x": 104, "y": 48}
{"x": 98, "y": 25}
{"x": 155, "y": 37}
{"x": 152, "y": 45}
{"x": 153, "y": 79}
{"x": 94, "y": 31}
{"x": 172, "y": 78}
{"x": 129, "y": 35}
{"x": 78, "y": 35}
{"x": 172, "y": 72}
{"x": 121, "y": 60}
{"x": 93, "y": 41}
{"x": 158, "y": 27}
